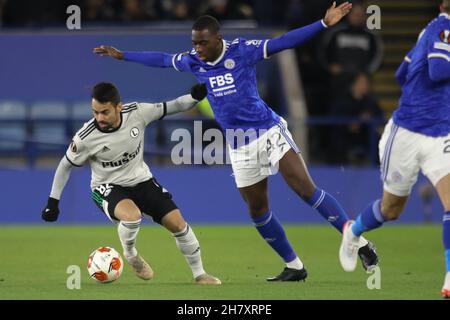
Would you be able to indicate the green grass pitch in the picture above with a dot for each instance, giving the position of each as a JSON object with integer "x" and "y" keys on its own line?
{"x": 35, "y": 259}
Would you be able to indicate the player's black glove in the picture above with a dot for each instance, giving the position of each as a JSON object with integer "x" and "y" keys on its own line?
{"x": 199, "y": 92}
{"x": 51, "y": 211}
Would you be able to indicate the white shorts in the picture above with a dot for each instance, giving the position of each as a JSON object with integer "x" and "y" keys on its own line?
{"x": 259, "y": 159}
{"x": 403, "y": 153}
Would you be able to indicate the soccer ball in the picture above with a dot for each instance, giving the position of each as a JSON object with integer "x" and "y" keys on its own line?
{"x": 105, "y": 265}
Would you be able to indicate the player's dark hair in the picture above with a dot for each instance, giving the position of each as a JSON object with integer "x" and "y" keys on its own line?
{"x": 105, "y": 92}
{"x": 207, "y": 22}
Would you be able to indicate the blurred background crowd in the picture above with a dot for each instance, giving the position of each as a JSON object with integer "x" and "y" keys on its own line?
{"x": 47, "y": 12}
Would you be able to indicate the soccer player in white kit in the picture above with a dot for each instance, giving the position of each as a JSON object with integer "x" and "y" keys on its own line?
{"x": 416, "y": 138}
{"x": 122, "y": 185}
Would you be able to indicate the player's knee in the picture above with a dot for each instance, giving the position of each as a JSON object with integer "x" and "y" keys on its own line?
{"x": 126, "y": 210}
{"x": 132, "y": 215}
{"x": 174, "y": 222}
{"x": 175, "y": 226}
{"x": 392, "y": 211}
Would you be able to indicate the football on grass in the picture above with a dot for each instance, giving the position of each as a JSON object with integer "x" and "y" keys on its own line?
{"x": 105, "y": 265}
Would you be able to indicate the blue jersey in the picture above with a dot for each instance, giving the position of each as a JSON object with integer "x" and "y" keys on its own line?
{"x": 232, "y": 85}
{"x": 425, "y": 104}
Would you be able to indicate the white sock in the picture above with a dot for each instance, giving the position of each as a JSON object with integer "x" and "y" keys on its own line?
{"x": 447, "y": 281}
{"x": 188, "y": 244}
{"x": 295, "y": 264}
{"x": 128, "y": 231}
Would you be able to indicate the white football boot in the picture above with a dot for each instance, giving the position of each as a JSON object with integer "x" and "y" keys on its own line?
{"x": 140, "y": 267}
{"x": 348, "y": 252}
{"x": 207, "y": 279}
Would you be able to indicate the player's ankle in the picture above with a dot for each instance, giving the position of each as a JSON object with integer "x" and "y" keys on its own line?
{"x": 295, "y": 264}
{"x": 130, "y": 253}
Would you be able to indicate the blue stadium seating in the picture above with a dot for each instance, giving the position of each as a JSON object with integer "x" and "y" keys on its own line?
{"x": 81, "y": 113}
{"x": 50, "y": 131}
{"x": 13, "y": 126}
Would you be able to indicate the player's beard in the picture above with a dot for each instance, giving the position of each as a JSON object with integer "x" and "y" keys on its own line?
{"x": 108, "y": 126}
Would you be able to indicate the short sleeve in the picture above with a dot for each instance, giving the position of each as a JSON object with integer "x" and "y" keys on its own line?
{"x": 254, "y": 50}
{"x": 77, "y": 153}
{"x": 181, "y": 62}
{"x": 409, "y": 55}
{"x": 439, "y": 44}
{"x": 151, "y": 111}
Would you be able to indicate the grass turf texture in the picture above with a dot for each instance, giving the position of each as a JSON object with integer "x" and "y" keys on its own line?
{"x": 35, "y": 260}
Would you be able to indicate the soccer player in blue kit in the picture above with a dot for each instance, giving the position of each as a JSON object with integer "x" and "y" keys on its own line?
{"x": 416, "y": 138}
{"x": 228, "y": 70}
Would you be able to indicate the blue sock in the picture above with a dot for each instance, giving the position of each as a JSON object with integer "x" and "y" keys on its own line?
{"x": 272, "y": 231}
{"x": 329, "y": 208}
{"x": 446, "y": 238}
{"x": 369, "y": 219}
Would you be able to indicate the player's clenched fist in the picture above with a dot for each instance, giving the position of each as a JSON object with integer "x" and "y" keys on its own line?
{"x": 109, "y": 51}
{"x": 199, "y": 91}
{"x": 51, "y": 211}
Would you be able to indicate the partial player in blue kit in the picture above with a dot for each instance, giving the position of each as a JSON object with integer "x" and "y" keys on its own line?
{"x": 417, "y": 138}
{"x": 228, "y": 70}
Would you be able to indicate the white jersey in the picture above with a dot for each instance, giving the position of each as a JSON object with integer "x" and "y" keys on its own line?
{"x": 117, "y": 156}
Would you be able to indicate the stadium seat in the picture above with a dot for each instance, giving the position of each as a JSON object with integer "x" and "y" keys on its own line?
{"x": 81, "y": 113}
{"x": 13, "y": 128}
{"x": 49, "y": 125}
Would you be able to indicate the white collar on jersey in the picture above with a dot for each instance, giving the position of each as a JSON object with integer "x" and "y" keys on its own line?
{"x": 221, "y": 55}
{"x": 444, "y": 14}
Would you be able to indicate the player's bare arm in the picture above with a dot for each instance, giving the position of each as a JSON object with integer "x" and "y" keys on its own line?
{"x": 109, "y": 51}
{"x": 335, "y": 14}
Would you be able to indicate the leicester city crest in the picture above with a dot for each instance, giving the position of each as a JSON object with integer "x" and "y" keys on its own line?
{"x": 229, "y": 63}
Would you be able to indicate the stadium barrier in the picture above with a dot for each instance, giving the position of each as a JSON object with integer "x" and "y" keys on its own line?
{"x": 205, "y": 195}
